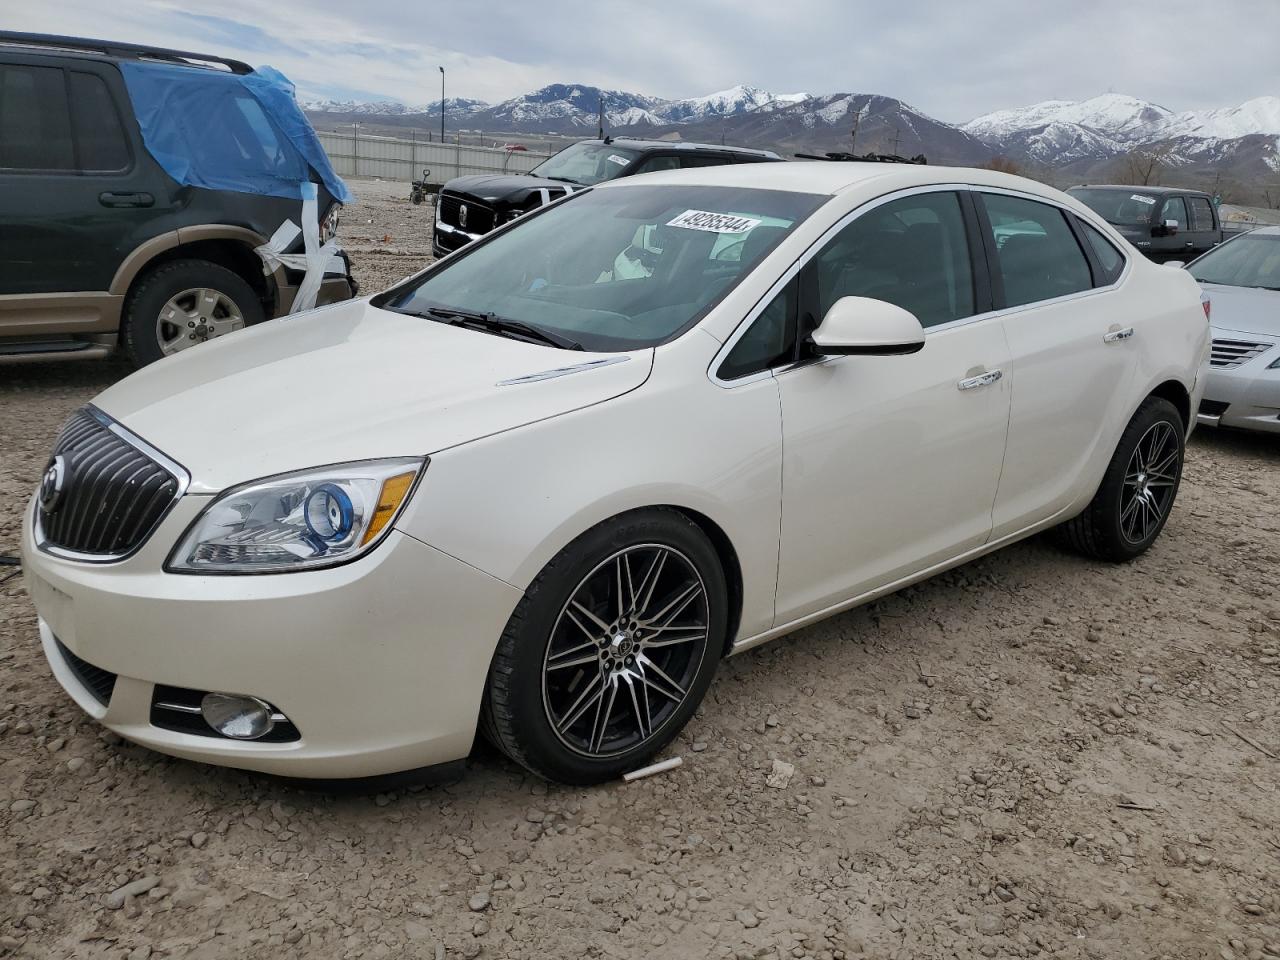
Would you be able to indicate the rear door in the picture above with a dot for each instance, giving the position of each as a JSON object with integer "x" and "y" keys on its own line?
{"x": 1073, "y": 354}
{"x": 78, "y": 194}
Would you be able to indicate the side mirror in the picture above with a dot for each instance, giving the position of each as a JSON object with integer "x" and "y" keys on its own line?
{"x": 860, "y": 326}
{"x": 1171, "y": 227}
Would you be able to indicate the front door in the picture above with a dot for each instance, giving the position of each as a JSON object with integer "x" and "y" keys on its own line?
{"x": 891, "y": 463}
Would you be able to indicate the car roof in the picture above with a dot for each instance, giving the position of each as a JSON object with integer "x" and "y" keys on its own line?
{"x": 636, "y": 143}
{"x": 827, "y": 177}
{"x": 55, "y": 45}
{"x": 1138, "y": 188}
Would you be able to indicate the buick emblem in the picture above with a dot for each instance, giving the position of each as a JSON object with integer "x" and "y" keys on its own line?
{"x": 51, "y": 484}
{"x": 462, "y": 215}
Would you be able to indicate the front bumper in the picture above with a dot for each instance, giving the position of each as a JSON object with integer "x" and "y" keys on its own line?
{"x": 380, "y": 663}
{"x": 446, "y": 239}
{"x": 1246, "y": 397}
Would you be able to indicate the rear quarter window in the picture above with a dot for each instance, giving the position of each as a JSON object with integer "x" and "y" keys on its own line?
{"x": 1110, "y": 260}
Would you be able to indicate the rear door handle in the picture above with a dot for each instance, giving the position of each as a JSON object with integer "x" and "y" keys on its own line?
{"x": 112, "y": 199}
{"x": 981, "y": 380}
{"x": 1117, "y": 335}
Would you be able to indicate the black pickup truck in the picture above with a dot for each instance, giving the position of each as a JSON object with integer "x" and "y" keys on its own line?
{"x": 1165, "y": 223}
{"x": 469, "y": 207}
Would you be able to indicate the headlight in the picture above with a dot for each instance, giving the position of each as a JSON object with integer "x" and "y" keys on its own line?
{"x": 329, "y": 225}
{"x": 298, "y": 521}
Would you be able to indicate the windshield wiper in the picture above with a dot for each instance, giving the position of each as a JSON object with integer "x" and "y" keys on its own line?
{"x": 561, "y": 179}
{"x": 493, "y": 323}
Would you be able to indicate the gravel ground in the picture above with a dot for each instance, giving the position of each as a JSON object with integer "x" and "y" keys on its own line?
{"x": 1032, "y": 755}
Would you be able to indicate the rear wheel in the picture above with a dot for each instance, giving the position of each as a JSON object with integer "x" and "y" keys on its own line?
{"x": 1138, "y": 490}
{"x": 610, "y": 651}
{"x": 180, "y": 304}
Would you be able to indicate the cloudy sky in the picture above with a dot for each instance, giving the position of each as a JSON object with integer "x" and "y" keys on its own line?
{"x": 953, "y": 59}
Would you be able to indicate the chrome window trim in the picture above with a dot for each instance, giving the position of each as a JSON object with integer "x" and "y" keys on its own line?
{"x": 177, "y": 470}
{"x": 816, "y": 247}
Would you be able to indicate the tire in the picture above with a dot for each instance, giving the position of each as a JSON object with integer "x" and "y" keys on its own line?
{"x": 558, "y": 656}
{"x": 1121, "y": 522}
{"x": 141, "y": 329}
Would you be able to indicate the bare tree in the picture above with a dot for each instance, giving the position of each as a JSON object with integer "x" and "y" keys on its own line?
{"x": 1002, "y": 165}
{"x": 1144, "y": 166}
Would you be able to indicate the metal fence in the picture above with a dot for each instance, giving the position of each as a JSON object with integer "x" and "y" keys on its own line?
{"x": 390, "y": 158}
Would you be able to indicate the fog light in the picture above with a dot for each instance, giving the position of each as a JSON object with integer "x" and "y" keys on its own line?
{"x": 241, "y": 718}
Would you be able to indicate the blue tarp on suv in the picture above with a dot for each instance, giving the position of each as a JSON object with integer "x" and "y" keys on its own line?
{"x": 226, "y": 131}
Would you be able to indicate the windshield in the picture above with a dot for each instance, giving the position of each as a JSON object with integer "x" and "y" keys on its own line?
{"x": 616, "y": 268}
{"x": 587, "y": 163}
{"x": 1252, "y": 260}
{"x": 1123, "y": 208}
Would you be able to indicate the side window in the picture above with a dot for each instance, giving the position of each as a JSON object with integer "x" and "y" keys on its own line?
{"x": 1201, "y": 213}
{"x": 1175, "y": 209}
{"x": 1036, "y": 252}
{"x": 35, "y": 121}
{"x": 1110, "y": 260}
{"x": 912, "y": 252}
{"x": 99, "y": 134}
{"x": 654, "y": 164}
{"x": 693, "y": 160}
{"x": 770, "y": 341}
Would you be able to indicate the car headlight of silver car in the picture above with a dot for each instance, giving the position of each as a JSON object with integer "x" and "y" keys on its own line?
{"x": 298, "y": 521}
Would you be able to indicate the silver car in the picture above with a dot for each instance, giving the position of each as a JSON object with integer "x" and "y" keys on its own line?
{"x": 1242, "y": 280}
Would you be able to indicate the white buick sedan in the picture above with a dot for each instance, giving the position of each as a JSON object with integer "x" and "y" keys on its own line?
{"x": 543, "y": 487}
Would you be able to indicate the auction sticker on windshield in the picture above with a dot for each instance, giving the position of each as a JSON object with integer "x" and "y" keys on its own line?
{"x": 713, "y": 222}
{"x": 1142, "y": 199}
{"x": 620, "y": 161}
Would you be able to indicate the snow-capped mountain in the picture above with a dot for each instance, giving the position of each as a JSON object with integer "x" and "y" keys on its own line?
{"x": 731, "y": 102}
{"x": 561, "y": 106}
{"x": 1110, "y": 115}
{"x": 1082, "y": 137}
{"x": 1257, "y": 116}
{"x": 454, "y": 107}
{"x": 372, "y": 108}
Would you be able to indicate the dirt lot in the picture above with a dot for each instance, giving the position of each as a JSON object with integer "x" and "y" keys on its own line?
{"x": 1030, "y": 756}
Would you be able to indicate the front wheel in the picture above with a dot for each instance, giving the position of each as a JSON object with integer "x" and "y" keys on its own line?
{"x": 611, "y": 649}
{"x": 1137, "y": 492}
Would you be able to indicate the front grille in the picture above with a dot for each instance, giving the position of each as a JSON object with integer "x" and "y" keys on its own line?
{"x": 112, "y": 493}
{"x": 178, "y": 709}
{"x": 1232, "y": 353}
{"x": 100, "y": 683}
{"x": 479, "y": 218}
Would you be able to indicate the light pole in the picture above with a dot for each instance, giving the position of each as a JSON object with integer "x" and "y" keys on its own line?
{"x": 355, "y": 149}
{"x": 442, "y": 104}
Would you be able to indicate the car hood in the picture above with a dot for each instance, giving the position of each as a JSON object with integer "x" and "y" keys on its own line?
{"x": 496, "y": 187}
{"x": 1244, "y": 309}
{"x": 351, "y": 382}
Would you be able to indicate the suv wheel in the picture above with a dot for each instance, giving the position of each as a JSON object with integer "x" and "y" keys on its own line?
{"x": 180, "y": 304}
{"x": 610, "y": 651}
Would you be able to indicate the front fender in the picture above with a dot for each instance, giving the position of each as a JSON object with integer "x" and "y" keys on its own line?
{"x": 508, "y": 504}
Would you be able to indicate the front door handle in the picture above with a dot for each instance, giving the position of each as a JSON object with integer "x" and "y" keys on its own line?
{"x": 981, "y": 380}
{"x": 112, "y": 199}
{"x": 1117, "y": 335}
